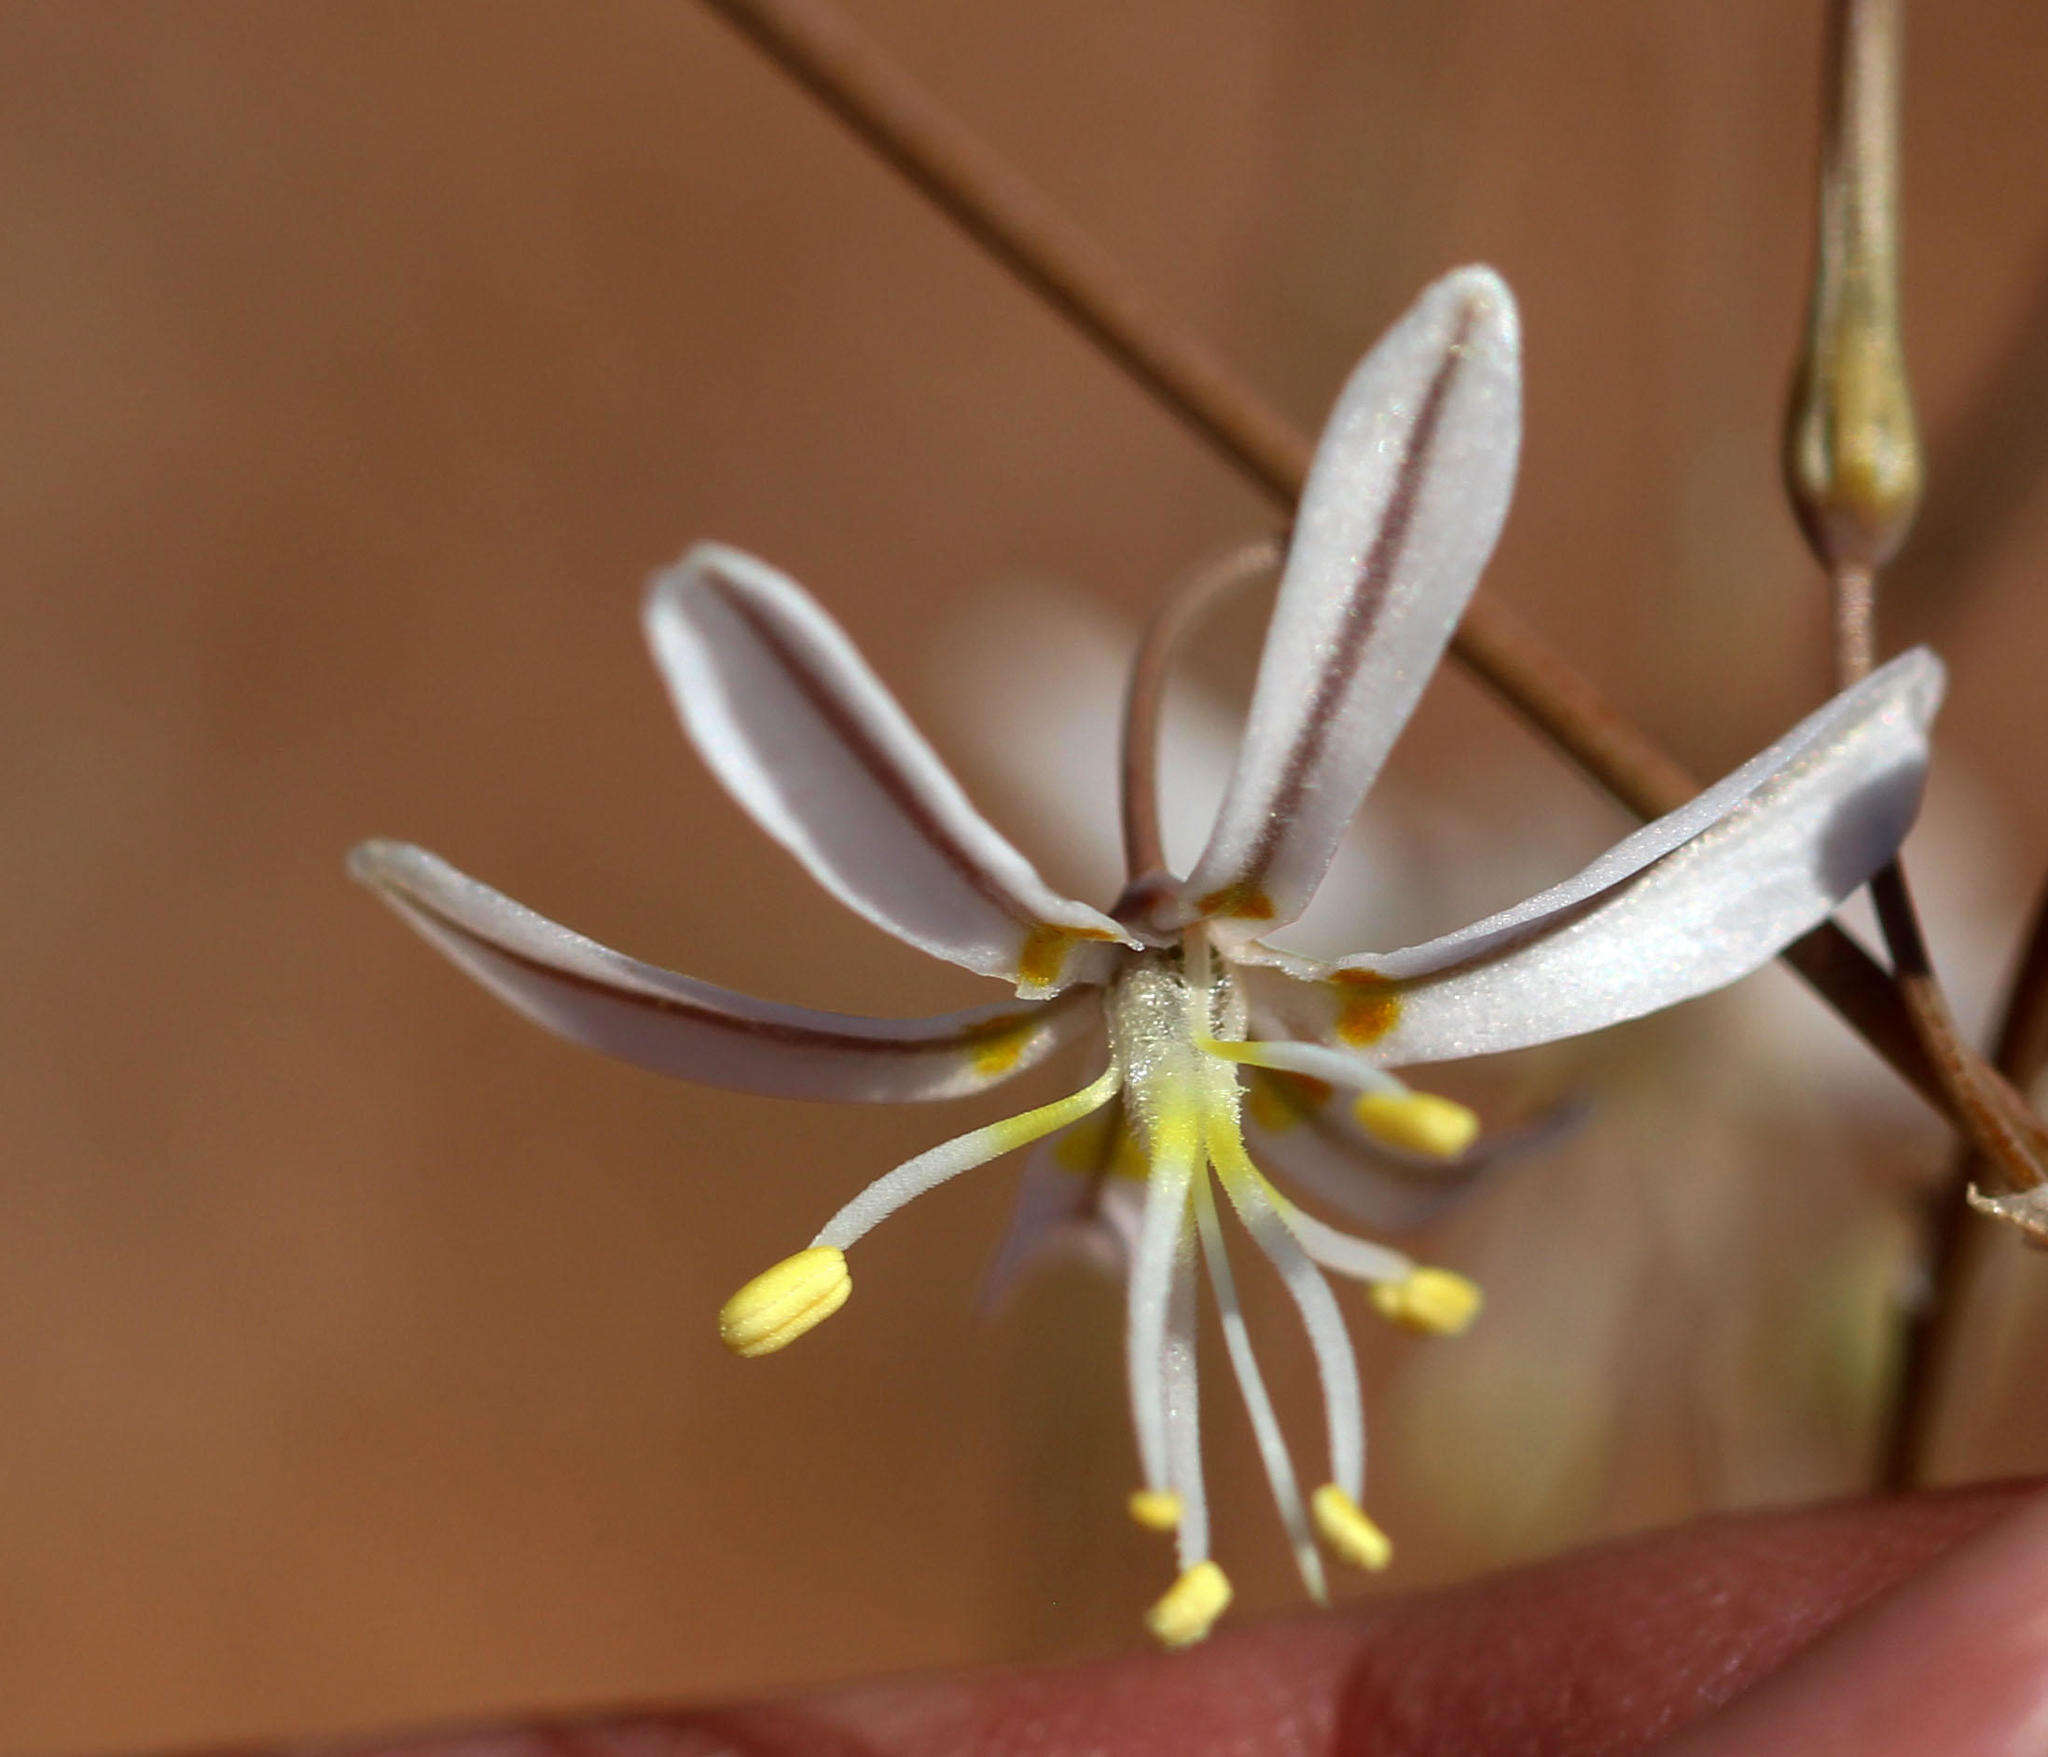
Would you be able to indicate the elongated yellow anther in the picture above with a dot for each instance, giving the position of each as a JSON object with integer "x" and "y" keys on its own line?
{"x": 1190, "y": 1606}
{"x": 781, "y": 1303}
{"x": 1437, "y": 1301}
{"x": 1419, "y": 1121}
{"x": 1352, "y": 1537}
{"x": 1156, "y": 1509}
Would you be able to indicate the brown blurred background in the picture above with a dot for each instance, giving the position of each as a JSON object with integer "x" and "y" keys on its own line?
{"x": 360, "y": 360}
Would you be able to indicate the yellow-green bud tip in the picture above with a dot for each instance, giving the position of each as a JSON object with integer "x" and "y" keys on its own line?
{"x": 1156, "y": 1509}
{"x": 1190, "y": 1606}
{"x": 1421, "y": 1122}
{"x": 781, "y": 1303}
{"x": 1352, "y": 1537}
{"x": 1436, "y": 1301}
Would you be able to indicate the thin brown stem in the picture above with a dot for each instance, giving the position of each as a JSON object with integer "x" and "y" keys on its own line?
{"x": 1145, "y": 694}
{"x": 2004, "y": 1133}
{"x": 1929, "y": 1348}
{"x": 1001, "y": 210}
{"x": 1996, "y": 1128}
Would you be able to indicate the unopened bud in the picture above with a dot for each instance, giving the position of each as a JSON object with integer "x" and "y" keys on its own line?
{"x": 1852, "y": 451}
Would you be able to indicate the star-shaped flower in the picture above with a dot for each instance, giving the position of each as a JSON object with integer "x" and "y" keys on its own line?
{"x": 1401, "y": 511}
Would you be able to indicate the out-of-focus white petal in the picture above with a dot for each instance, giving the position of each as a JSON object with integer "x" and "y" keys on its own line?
{"x": 1407, "y": 495}
{"x": 674, "y": 1025}
{"x": 1686, "y": 904}
{"x": 1069, "y": 1200}
{"x": 788, "y": 715}
{"x": 1301, "y": 1131}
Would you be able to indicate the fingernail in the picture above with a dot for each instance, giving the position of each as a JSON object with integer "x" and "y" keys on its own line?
{"x": 1955, "y": 1661}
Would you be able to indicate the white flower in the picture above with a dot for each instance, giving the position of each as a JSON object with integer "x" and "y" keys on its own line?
{"x": 1400, "y": 514}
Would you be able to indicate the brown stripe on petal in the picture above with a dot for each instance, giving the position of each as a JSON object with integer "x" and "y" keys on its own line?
{"x": 1354, "y": 626}
{"x": 830, "y": 707}
{"x": 994, "y": 1044}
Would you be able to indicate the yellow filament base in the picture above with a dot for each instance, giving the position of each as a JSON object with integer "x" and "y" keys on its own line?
{"x": 1190, "y": 1606}
{"x": 1156, "y": 1509}
{"x": 1352, "y": 1537}
{"x": 781, "y": 1303}
{"x": 1438, "y": 1302}
{"x": 1420, "y": 1122}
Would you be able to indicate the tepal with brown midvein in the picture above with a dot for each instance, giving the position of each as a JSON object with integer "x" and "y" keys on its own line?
{"x": 1246, "y": 897}
{"x": 805, "y": 737}
{"x": 1400, "y": 511}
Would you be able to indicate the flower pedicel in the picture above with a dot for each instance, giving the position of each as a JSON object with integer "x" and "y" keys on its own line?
{"x": 1407, "y": 495}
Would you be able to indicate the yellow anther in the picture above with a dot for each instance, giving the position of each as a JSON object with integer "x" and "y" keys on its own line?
{"x": 781, "y": 1303}
{"x": 1419, "y": 1121}
{"x": 1352, "y": 1537}
{"x": 1190, "y": 1606}
{"x": 1156, "y": 1509}
{"x": 1438, "y": 1301}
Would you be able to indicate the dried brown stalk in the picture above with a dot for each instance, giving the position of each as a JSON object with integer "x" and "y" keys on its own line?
{"x": 1929, "y": 1348}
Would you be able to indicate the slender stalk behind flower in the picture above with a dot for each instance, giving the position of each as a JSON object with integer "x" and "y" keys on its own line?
{"x": 1176, "y": 981}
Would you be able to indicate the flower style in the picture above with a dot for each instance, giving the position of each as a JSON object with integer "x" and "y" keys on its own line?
{"x": 1210, "y": 1032}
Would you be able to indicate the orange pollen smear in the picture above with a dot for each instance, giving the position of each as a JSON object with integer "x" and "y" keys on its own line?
{"x": 1370, "y": 1007}
{"x": 1242, "y": 901}
{"x": 998, "y": 1052}
{"x": 1277, "y": 1100}
{"x": 1045, "y": 950}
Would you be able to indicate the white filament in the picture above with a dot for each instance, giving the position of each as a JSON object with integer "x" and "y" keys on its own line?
{"x": 1342, "y": 1254}
{"x": 1336, "y": 1365}
{"x": 1338, "y": 1066}
{"x": 1258, "y": 1406}
{"x": 1183, "y": 1409}
{"x": 933, "y": 1167}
